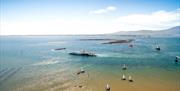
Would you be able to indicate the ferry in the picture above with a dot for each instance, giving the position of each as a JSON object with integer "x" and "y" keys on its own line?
{"x": 83, "y": 53}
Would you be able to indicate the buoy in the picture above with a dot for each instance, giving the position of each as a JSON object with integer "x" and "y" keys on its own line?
{"x": 124, "y": 67}
{"x": 123, "y": 77}
{"x": 130, "y": 79}
{"x": 108, "y": 88}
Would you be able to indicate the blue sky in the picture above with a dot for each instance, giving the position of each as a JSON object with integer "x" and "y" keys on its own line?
{"x": 21, "y": 17}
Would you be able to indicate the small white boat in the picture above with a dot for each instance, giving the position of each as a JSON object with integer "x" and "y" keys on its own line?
{"x": 124, "y": 67}
{"x": 158, "y": 48}
{"x": 108, "y": 87}
{"x": 81, "y": 71}
{"x": 130, "y": 79}
{"x": 123, "y": 77}
{"x": 177, "y": 57}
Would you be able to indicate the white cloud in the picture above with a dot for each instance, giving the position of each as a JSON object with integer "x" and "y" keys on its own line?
{"x": 155, "y": 20}
{"x": 111, "y": 8}
{"x": 102, "y": 11}
{"x": 54, "y": 27}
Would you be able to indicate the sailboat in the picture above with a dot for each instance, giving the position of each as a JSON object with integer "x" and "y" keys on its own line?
{"x": 176, "y": 60}
{"x": 108, "y": 87}
{"x": 123, "y": 77}
{"x": 124, "y": 67}
{"x": 158, "y": 48}
{"x": 81, "y": 71}
{"x": 130, "y": 79}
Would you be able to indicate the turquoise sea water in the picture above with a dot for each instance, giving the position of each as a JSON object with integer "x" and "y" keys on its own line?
{"x": 29, "y": 63}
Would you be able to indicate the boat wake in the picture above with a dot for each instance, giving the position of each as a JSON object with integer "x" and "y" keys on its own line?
{"x": 102, "y": 55}
{"x": 53, "y": 50}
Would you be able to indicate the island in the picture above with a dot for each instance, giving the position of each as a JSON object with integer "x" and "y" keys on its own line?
{"x": 119, "y": 41}
{"x": 60, "y": 49}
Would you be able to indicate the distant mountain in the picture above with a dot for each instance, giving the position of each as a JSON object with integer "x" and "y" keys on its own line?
{"x": 174, "y": 31}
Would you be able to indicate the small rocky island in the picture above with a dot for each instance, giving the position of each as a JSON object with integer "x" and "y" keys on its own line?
{"x": 98, "y": 39}
{"x": 60, "y": 49}
{"x": 119, "y": 41}
{"x": 109, "y": 41}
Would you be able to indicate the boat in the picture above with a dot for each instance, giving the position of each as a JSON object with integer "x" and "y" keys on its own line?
{"x": 158, "y": 48}
{"x": 108, "y": 87}
{"x": 130, "y": 79}
{"x": 123, "y": 77}
{"x": 124, "y": 67}
{"x": 81, "y": 71}
{"x": 176, "y": 60}
{"x": 83, "y": 53}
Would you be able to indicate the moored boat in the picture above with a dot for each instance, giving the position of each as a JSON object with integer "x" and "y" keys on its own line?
{"x": 81, "y": 71}
{"x": 158, "y": 48}
{"x": 177, "y": 57}
{"x": 123, "y": 77}
{"x": 124, "y": 67}
{"x": 130, "y": 79}
{"x": 108, "y": 87}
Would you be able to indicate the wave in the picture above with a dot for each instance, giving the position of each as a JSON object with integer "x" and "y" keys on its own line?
{"x": 47, "y": 62}
{"x": 10, "y": 72}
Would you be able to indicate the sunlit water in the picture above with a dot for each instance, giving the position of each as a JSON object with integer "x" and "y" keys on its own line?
{"x": 29, "y": 63}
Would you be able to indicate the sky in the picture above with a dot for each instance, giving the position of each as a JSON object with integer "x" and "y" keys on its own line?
{"x": 56, "y": 17}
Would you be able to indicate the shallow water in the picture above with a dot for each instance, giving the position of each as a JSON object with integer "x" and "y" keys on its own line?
{"x": 29, "y": 63}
